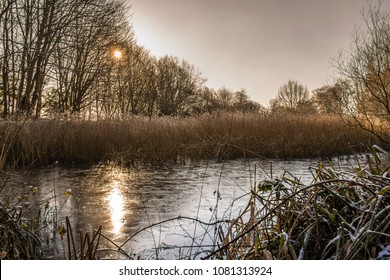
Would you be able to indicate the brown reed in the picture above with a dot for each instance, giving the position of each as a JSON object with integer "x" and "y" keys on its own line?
{"x": 160, "y": 140}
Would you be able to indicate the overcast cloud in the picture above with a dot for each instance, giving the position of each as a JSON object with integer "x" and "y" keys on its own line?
{"x": 253, "y": 44}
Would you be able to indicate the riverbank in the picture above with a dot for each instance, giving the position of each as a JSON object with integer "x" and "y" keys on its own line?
{"x": 250, "y": 210}
{"x": 140, "y": 140}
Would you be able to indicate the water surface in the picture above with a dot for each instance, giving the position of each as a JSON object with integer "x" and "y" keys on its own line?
{"x": 125, "y": 200}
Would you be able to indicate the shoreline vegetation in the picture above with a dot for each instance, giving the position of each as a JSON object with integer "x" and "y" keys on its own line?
{"x": 340, "y": 215}
{"x": 160, "y": 140}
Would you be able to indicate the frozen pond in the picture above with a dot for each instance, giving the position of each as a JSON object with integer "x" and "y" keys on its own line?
{"x": 125, "y": 200}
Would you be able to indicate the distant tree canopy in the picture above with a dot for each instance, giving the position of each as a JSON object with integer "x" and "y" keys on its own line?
{"x": 292, "y": 97}
{"x": 327, "y": 99}
{"x": 57, "y": 57}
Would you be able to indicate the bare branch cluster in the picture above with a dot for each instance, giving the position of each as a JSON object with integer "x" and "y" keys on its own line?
{"x": 62, "y": 57}
{"x": 365, "y": 73}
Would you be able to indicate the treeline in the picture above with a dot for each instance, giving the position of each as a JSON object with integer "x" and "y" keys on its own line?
{"x": 80, "y": 57}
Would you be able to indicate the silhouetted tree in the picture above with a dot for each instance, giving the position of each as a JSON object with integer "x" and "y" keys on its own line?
{"x": 366, "y": 70}
{"x": 56, "y": 57}
{"x": 225, "y": 98}
{"x": 327, "y": 99}
{"x": 177, "y": 83}
{"x": 31, "y": 29}
{"x": 290, "y": 97}
{"x": 139, "y": 81}
{"x": 243, "y": 103}
{"x": 85, "y": 56}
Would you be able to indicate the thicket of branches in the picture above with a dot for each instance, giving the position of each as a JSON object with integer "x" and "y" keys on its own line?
{"x": 56, "y": 57}
{"x": 365, "y": 73}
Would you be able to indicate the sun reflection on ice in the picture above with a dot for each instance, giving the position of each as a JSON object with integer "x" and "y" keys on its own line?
{"x": 116, "y": 204}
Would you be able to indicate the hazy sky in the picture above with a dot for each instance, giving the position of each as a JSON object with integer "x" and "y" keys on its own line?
{"x": 253, "y": 44}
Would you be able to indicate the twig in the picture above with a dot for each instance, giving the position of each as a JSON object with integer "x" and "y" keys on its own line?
{"x": 170, "y": 220}
{"x": 274, "y": 209}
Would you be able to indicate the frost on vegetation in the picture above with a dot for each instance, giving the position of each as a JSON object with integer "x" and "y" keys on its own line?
{"x": 384, "y": 254}
{"x": 337, "y": 238}
{"x": 353, "y": 238}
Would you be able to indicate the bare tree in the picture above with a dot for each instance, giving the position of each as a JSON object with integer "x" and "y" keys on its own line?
{"x": 328, "y": 98}
{"x": 56, "y": 57}
{"x": 31, "y": 31}
{"x": 206, "y": 101}
{"x": 177, "y": 83}
{"x": 243, "y": 103}
{"x": 5, "y": 7}
{"x": 56, "y": 53}
{"x": 366, "y": 68}
{"x": 139, "y": 81}
{"x": 85, "y": 57}
{"x": 225, "y": 98}
{"x": 290, "y": 96}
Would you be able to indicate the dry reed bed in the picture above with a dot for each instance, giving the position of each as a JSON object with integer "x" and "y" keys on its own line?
{"x": 341, "y": 215}
{"x": 140, "y": 140}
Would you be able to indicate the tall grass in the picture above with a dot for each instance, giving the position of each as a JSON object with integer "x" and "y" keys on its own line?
{"x": 140, "y": 140}
{"x": 28, "y": 226}
{"x": 340, "y": 215}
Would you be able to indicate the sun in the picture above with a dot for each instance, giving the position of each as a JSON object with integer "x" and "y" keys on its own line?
{"x": 117, "y": 54}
